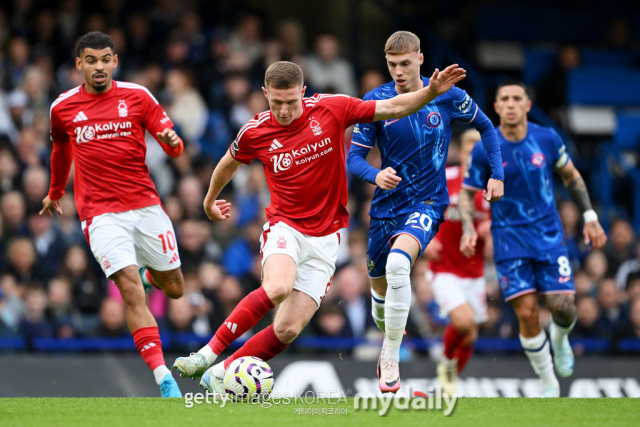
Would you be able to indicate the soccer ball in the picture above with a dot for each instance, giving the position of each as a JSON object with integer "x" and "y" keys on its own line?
{"x": 248, "y": 379}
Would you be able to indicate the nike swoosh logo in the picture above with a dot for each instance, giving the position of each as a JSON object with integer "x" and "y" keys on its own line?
{"x": 504, "y": 165}
{"x": 396, "y": 287}
{"x": 392, "y": 383}
{"x": 390, "y": 122}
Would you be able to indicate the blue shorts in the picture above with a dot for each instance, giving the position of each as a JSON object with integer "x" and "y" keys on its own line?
{"x": 548, "y": 274}
{"x": 422, "y": 224}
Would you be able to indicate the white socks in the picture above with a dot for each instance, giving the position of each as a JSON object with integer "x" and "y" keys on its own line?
{"x": 398, "y": 300}
{"x": 208, "y": 354}
{"x": 561, "y": 333}
{"x": 160, "y": 372}
{"x": 377, "y": 309}
{"x": 538, "y": 351}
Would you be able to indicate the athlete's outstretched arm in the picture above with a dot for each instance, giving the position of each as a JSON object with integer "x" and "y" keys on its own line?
{"x": 61, "y": 159}
{"x": 495, "y": 185}
{"x": 408, "y": 103}
{"x": 572, "y": 180}
{"x": 466, "y": 207}
{"x": 218, "y": 210}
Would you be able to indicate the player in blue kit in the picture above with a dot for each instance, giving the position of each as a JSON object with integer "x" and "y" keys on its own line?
{"x": 528, "y": 239}
{"x": 411, "y": 197}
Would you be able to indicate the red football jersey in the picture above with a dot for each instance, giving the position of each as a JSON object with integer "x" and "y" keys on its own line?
{"x": 104, "y": 135}
{"x": 452, "y": 260}
{"x": 304, "y": 162}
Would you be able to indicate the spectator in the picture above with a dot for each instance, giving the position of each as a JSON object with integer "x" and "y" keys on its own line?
{"x": 112, "y": 320}
{"x": 570, "y": 216}
{"x": 370, "y": 80}
{"x": 35, "y": 184}
{"x": 86, "y": 290}
{"x": 596, "y": 265}
{"x": 351, "y": 284}
{"x": 619, "y": 247}
{"x": 22, "y": 260}
{"x": 246, "y": 39}
{"x": 61, "y": 313}
{"x": 49, "y": 244}
{"x": 632, "y": 328}
{"x": 12, "y": 305}
{"x": 188, "y": 110}
{"x": 13, "y": 209}
{"x": 35, "y": 324}
{"x": 627, "y": 268}
{"x": 330, "y": 321}
{"x": 588, "y": 324}
{"x": 180, "y": 315}
{"x": 552, "y": 89}
{"x": 614, "y": 313}
{"x": 326, "y": 71}
{"x": 9, "y": 168}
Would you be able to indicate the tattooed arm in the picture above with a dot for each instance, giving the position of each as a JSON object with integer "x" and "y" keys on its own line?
{"x": 466, "y": 207}
{"x": 572, "y": 180}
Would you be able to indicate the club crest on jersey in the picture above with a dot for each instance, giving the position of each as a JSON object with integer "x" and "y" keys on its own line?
{"x": 504, "y": 283}
{"x": 122, "y": 108}
{"x": 434, "y": 119}
{"x": 315, "y": 127}
{"x": 538, "y": 160}
{"x": 281, "y": 162}
{"x": 282, "y": 243}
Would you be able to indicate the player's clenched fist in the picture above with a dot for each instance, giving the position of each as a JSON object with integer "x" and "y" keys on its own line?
{"x": 169, "y": 136}
{"x": 218, "y": 210}
{"x": 387, "y": 179}
{"x": 494, "y": 191}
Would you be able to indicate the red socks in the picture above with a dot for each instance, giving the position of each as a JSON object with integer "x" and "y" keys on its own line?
{"x": 247, "y": 313}
{"x": 149, "y": 277}
{"x": 451, "y": 339}
{"x": 149, "y": 346}
{"x": 463, "y": 354}
{"x": 452, "y": 348}
{"x": 265, "y": 345}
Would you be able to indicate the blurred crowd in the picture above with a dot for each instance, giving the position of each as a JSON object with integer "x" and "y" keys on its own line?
{"x": 209, "y": 81}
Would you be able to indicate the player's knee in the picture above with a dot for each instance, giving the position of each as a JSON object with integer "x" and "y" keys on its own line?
{"x": 398, "y": 266}
{"x": 528, "y": 316}
{"x": 287, "y": 331}
{"x": 277, "y": 292}
{"x": 463, "y": 324}
{"x": 562, "y": 308}
{"x": 174, "y": 290}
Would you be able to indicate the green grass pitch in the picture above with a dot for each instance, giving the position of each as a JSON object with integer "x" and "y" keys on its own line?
{"x": 476, "y": 412}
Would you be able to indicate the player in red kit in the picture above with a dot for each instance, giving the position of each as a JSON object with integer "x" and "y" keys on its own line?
{"x": 300, "y": 143}
{"x": 100, "y": 126}
{"x": 458, "y": 283}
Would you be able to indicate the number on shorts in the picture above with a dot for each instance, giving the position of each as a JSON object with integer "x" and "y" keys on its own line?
{"x": 413, "y": 220}
{"x": 326, "y": 289}
{"x": 170, "y": 240}
{"x": 564, "y": 267}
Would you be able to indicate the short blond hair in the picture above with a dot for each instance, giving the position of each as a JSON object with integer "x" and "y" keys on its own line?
{"x": 283, "y": 75}
{"x": 402, "y": 42}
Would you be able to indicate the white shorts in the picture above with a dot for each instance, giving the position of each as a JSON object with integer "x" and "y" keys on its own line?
{"x": 452, "y": 291}
{"x": 315, "y": 257}
{"x": 142, "y": 237}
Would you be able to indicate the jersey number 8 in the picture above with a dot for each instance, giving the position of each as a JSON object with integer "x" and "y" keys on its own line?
{"x": 564, "y": 267}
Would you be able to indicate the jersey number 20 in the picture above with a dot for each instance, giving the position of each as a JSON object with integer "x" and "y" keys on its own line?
{"x": 413, "y": 219}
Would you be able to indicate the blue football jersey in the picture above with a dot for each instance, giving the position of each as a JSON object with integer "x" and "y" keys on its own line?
{"x": 525, "y": 222}
{"x": 415, "y": 146}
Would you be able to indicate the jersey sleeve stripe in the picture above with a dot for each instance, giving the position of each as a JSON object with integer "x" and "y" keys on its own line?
{"x": 128, "y": 85}
{"x": 247, "y": 127}
{"x": 474, "y": 115}
{"x": 64, "y": 96}
{"x": 471, "y": 187}
{"x": 361, "y": 145}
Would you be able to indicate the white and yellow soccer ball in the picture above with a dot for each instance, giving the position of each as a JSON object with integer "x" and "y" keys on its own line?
{"x": 248, "y": 379}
